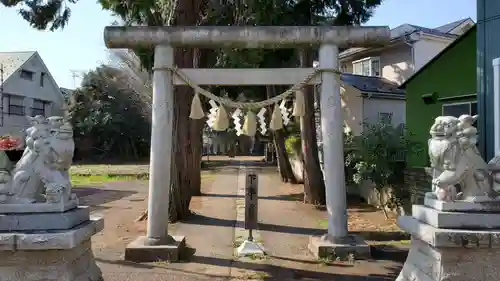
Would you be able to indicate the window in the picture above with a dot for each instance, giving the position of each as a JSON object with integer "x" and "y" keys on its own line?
{"x": 367, "y": 67}
{"x": 15, "y": 105}
{"x": 343, "y": 68}
{"x": 375, "y": 67}
{"x": 38, "y": 107}
{"x": 26, "y": 74}
{"x": 385, "y": 117}
{"x": 42, "y": 78}
{"x": 457, "y": 109}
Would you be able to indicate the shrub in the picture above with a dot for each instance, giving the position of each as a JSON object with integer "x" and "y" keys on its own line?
{"x": 379, "y": 155}
{"x": 293, "y": 141}
{"x": 293, "y": 145}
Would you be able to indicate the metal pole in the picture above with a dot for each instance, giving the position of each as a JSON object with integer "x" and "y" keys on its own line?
{"x": 1, "y": 95}
{"x": 496, "y": 104}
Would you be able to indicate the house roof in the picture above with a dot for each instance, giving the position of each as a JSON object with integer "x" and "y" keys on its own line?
{"x": 12, "y": 61}
{"x": 407, "y": 29}
{"x": 435, "y": 58}
{"x": 450, "y": 26}
{"x": 66, "y": 91}
{"x": 432, "y": 31}
{"x": 371, "y": 84}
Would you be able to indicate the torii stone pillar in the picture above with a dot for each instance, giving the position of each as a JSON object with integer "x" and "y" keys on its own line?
{"x": 158, "y": 244}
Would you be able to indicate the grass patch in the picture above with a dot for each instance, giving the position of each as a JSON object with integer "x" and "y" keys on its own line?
{"x": 323, "y": 223}
{"x": 258, "y": 275}
{"x": 110, "y": 169}
{"x": 100, "y": 179}
{"x": 100, "y": 174}
{"x": 390, "y": 243}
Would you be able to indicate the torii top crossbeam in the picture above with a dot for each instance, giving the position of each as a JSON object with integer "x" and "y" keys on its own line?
{"x": 246, "y": 36}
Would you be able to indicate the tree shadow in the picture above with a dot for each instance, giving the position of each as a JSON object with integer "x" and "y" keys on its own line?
{"x": 358, "y": 204}
{"x": 389, "y": 252}
{"x": 383, "y": 235}
{"x": 368, "y": 235}
{"x": 221, "y": 195}
{"x": 198, "y": 219}
{"x": 286, "y": 197}
{"x": 267, "y": 268}
{"x": 232, "y": 163}
{"x": 93, "y": 196}
{"x": 278, "y": 272}
{"x": 298, "y": 197}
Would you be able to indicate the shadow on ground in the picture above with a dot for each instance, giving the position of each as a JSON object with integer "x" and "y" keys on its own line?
{"x": 390, "y": 252}
{"x": 95, "y": 196}
{"x": 230, "y": 163}
{"x": 367, "y": 235}
{"x": 354, "y": 202}
{"x": 264, "y": 270}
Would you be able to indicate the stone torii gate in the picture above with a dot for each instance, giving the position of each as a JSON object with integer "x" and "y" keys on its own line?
{"x": 157, "y": 243}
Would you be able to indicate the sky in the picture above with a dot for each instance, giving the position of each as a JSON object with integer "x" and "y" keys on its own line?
{"x": 79, "y": 47}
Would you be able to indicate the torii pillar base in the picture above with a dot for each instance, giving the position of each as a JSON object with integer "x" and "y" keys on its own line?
{"x": 325, "y": 247}
{"x": 142, "y": 250}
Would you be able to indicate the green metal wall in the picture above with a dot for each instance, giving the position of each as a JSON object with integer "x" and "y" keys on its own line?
{"x": 452, "y": 74}
{"x": 488, "y": 48}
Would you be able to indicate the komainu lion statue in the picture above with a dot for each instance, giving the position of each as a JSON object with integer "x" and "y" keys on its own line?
{"x": 459, "y": 171}
{"x": 41, "y": 175}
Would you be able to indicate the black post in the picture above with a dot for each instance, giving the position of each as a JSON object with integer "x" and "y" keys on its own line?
{"x": 251, "y": 199}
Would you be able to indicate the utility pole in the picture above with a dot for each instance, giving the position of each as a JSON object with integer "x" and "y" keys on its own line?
{"x": 77, "y": 74}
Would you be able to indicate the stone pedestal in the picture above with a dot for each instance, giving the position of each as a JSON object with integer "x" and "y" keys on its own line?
{"x": 450, "y": 245}
{"x": 330, "y": 247}
{"x": 143, "y": 249}
{"x": 56, "y": 247}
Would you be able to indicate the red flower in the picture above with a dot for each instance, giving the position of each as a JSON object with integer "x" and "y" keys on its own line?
{"x": 9, "y": 143}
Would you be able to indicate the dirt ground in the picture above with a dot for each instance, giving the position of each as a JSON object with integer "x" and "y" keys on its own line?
{"x": 285, "y": 224}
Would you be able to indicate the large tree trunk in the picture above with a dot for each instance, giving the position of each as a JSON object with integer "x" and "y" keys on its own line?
{"x": 314, "y": 185}
{"x": 284, "y": 166}
{"x": 186, "y": 166}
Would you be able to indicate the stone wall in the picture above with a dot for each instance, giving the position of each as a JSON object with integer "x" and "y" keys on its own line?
{"x": 417, "y": 179}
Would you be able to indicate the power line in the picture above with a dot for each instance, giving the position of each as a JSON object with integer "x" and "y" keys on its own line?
{"x": 488, "y": 19}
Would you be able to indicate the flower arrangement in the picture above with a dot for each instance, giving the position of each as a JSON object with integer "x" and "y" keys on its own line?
{"x": 10, "y": 143}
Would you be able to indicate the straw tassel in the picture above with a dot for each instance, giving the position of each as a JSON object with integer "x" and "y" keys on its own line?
{"x": 299, "y": 107}
{"x": 196, "y": 108}
{"x": 250, "y": 125}
{"x": 221, "y": 122}
{"x": 276, "y": 120}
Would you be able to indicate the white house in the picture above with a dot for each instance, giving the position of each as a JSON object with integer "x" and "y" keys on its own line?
{"x": 381, "y": 70}
{"x": 27, "y": 89}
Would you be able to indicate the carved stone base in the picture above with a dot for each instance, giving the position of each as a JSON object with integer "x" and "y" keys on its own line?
{"x": 456, "y": 220}
{"x": 76, "y": 264}
{"x": 450, "y": 255}
{"x": 482, "y": 204}
{"x": 38, "y": 207}
{"x": 50, "y": 240}
{"x": 44, "y": 221}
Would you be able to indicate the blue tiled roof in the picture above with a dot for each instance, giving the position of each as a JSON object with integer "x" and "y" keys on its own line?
{"x": 371, "y": 84}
